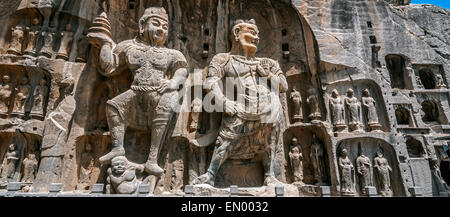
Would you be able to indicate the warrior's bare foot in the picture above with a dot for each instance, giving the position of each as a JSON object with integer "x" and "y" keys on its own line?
{"x": 106, "y": 159}
{"x": 271, "y": 180}
{"x": 206, "y": 178}
{"x": 153, "y": 169}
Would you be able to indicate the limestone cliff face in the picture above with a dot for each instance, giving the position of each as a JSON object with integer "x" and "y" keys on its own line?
{"x": 398, "y": 52}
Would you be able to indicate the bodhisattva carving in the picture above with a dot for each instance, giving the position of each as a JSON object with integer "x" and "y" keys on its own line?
{"x": 383, "y": 174}
{"x": 66, "y": 43}
{"x": 371, "y": 111}
{"x": 195, "y": 114}
{"x": 86, "y": 168}
{"x": 252, "y": 116}
{"x": 39, "y": 96}
{"x": 29, "y": 164}
{"x": 419, "y": 82}
{"x": 6, "y": 89}
{"x": 313, "y": 103}
{"x": 122, "y": 176}
{"x": 364, "y": 168}
{"x": 33, "y": 32}
{"x": 9, "y": 164}
{"x": 15, "y": 45}
{"x": 347, "y": 173}
{"x": 296, "y": 159}
{"x": 47, "y": 49}
{"x": 297, "y": 108}
{"x": 440, "y": 82}
{"x": 318, "y": 160}
{"x": 353, "y": 108}
{"x": 337, "y": 111}
{"x": 22, "y": 92}
{"x": 150, "y": 103}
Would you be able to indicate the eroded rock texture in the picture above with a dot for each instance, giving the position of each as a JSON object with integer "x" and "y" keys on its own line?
{"x": 346, "y": 94}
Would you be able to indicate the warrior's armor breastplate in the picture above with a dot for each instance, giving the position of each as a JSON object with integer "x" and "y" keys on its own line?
{"x": 253, "y": 92}
{"x": 150, "y": 66}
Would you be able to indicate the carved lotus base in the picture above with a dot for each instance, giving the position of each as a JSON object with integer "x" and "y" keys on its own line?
{"x": 355, "y": 127}
{"x": 268, "y": 191}
{"x": 314, "y": 116}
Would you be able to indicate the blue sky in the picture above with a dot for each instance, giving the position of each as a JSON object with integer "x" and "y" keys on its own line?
{"x": 442, "y": 3}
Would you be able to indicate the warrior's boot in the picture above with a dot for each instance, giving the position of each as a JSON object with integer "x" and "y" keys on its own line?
{"x": 219, "y": 156}
{"x": 159, "y": 129}
{"x": 117, "y": 127}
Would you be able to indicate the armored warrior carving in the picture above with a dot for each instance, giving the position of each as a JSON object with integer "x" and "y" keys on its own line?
{"x": 15, "y": 45}
{"x": 66, "y": 43}
{"x": 347, "y": 173}
{"x": 297, "y": 100}
{"x": 258, "y": 115}
{"x": 313, "y": 102}
{"x": 86, "y": 168}
{"x": 364, "y": 168}
{"x": 47, "y": 48}
{"x": 22, "y": 92}
{"x": 383, "y": 174}
{"x": 158, "y": 73}
{"x": 371, "y": 111}
{"x": 337, "y": 111}
{"x": 353, "y": 108}
{"x": 318, "y": 161}
{"x": 5, "y": 93}
{"x": 296, "y": 158}
{"x": 29, "y": 164}
{"x": 39, "y": 96}
{"x": 122, "y": 176}
{"x": 33, "y": 33}
{"x": 10, "y": 163}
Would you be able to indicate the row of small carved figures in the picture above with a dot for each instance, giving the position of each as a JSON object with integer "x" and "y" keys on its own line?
{"x": 31, "y": 36}
{"x": 364, "y": 167}
{"x": 9, "y": 166}
{"x": 20, "y": 94}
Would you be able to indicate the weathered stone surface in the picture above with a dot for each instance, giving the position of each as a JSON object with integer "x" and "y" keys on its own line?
{"x": 131, "y": 98}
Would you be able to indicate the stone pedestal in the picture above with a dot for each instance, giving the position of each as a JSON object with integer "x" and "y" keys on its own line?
{"x": 264, "y": 191}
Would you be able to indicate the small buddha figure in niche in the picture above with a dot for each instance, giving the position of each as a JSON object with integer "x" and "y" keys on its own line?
{"x": 22, "y": 92}
{"x": 297, "y": 105}
{"x": 363, "y": 167}
{"x": 39, "y": 96}
{"x": 383, "y": 174}
{"x": 6, "y": 89}
{"x": 347, "y": 173}
{"x": 419, "y": 82}
{"x": 296, "y": 160}
{"x": 66, "y": 43}
{"x": 440, "y": 82}
{"x": 49, "y": 36}
{"x": 10, "y": 163}
{"x": 122, "y": 176}
{"x": 82, "y": 48}
{"x": 313, "y": 103}
{"x": 29, "y": 164}
{"x": 86, "y": 168}
{"x": 317, "y": 158}
{"x": 353, "y": 111}
{"x": 371, "y": 111}
{"x": 195, "y": 114}
{"x": 17, "y": 36}
{"x": 32, "y": 34}
{"x": 337, "y": 111}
